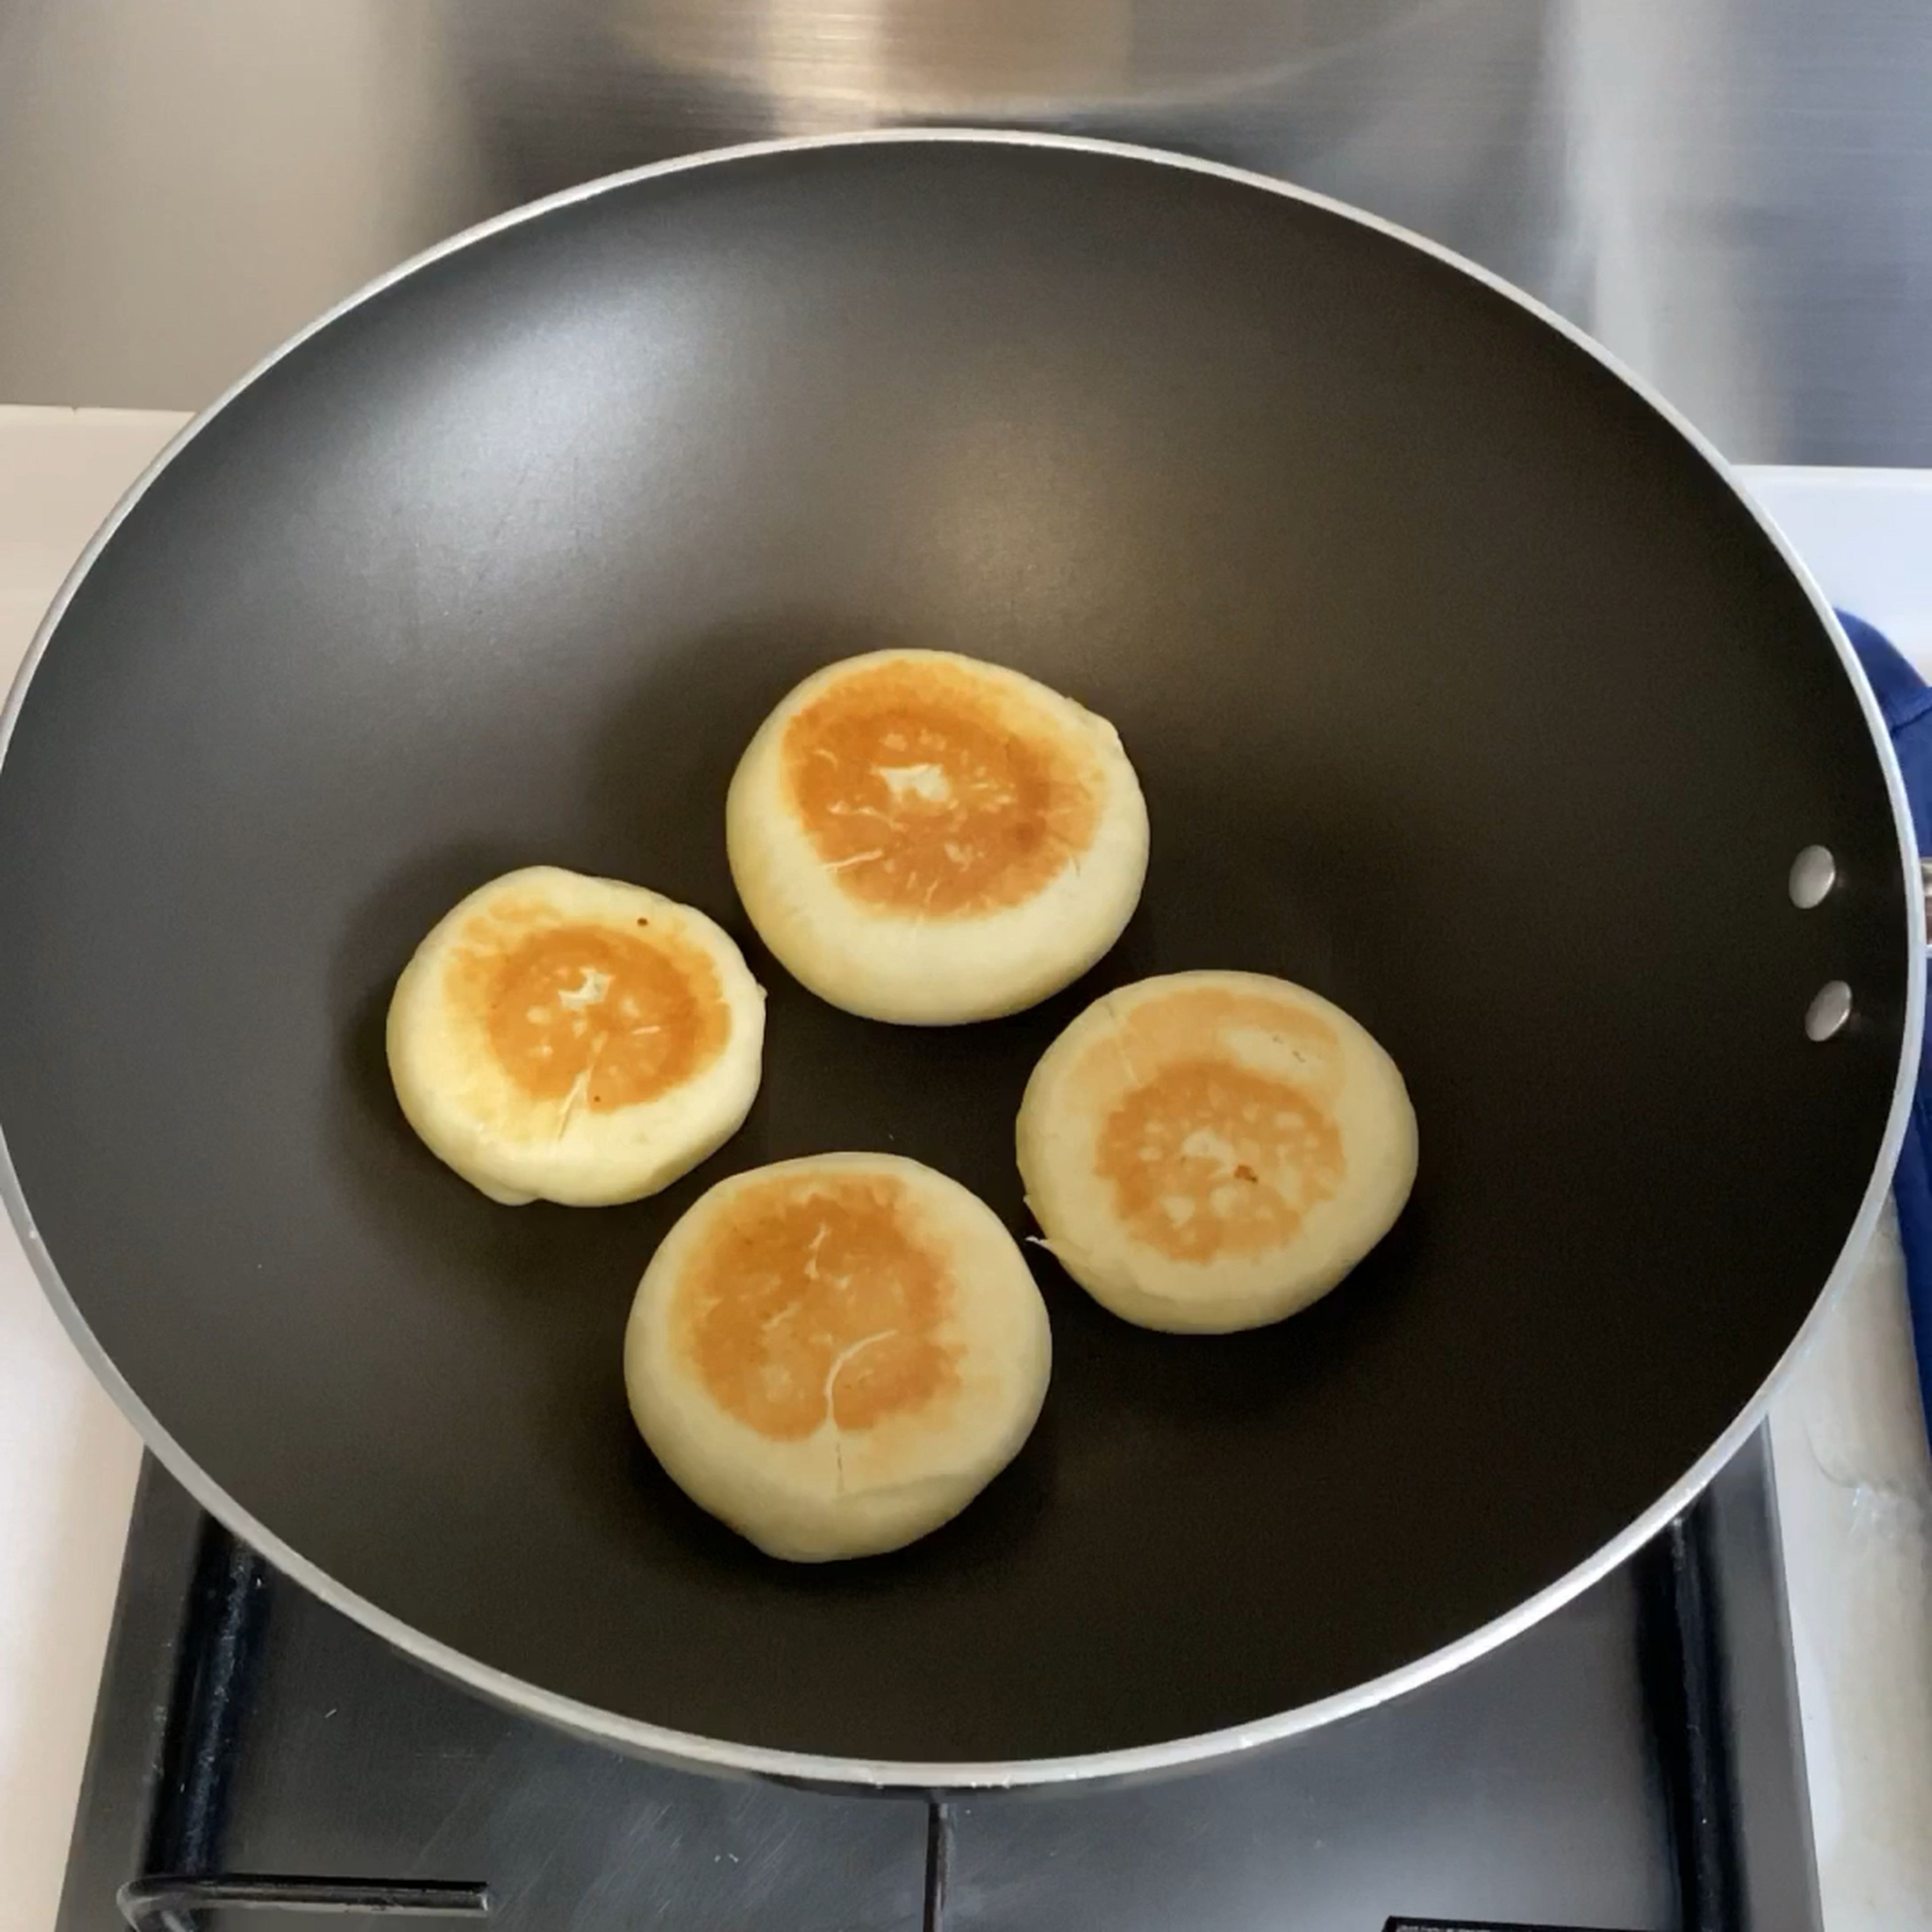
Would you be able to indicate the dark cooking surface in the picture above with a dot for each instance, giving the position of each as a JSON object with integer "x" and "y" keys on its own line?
{"x": 1459, "y": 689}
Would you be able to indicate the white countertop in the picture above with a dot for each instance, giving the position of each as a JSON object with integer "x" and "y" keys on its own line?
{"x": 1854, "y": 1477}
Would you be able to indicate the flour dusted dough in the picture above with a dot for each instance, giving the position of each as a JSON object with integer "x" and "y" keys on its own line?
{"x": 923, "y": 838}
{"x": 1211, "y": 1151}
{"x": 835, "y": 1355}
{"x": 575, "y": 1039}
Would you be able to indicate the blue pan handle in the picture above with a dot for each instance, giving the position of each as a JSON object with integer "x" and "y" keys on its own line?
{"x": 1906, "y": 700}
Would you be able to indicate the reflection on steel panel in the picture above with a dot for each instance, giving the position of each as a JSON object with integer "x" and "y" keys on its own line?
{"x": 1736, "y": 195}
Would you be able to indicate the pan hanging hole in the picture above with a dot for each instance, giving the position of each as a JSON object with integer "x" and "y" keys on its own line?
{"x": 1814, "y": 873}
{"x": 1829, "y": 1010}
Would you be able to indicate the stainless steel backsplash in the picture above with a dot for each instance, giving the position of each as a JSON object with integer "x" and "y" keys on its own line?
{"x": 1736, "y": 195}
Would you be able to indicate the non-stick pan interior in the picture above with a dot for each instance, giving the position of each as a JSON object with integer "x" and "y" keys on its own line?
{"x": 1462, "y": 688}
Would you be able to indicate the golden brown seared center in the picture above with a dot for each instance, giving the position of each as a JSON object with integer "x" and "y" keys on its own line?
{"x": 817, "y": 1300}
{"x": 587, "y": 1013}
{"x": 925, "y": 789}
{"x": 1205, "y": 1155}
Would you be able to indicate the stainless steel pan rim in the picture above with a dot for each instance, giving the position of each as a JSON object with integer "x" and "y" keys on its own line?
{"x": 690, "y": 1752}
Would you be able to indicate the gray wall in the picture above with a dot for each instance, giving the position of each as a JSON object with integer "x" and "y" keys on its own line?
{"x": 1736, "y": 195}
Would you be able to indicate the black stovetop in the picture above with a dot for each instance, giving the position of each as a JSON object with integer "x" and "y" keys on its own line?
{"x": 1633, "y": 1762}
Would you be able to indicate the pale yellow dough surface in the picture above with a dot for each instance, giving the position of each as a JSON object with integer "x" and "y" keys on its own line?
{"x": 563, "y": 1038}
{"x": 1211, "y": 1151}
{"x": 923, "y": 838}
{"x": 835, "y": 1354}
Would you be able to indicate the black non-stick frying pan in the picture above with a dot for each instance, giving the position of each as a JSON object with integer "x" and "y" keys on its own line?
{"x": 1464, "y": 688}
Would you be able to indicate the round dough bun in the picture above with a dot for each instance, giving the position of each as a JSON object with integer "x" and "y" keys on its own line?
{"x": 836, "y": 1355}
{"x": 1211, "y": 1151}
{"x": 562, "y": 1038}
{"x": 922, "y": 838}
